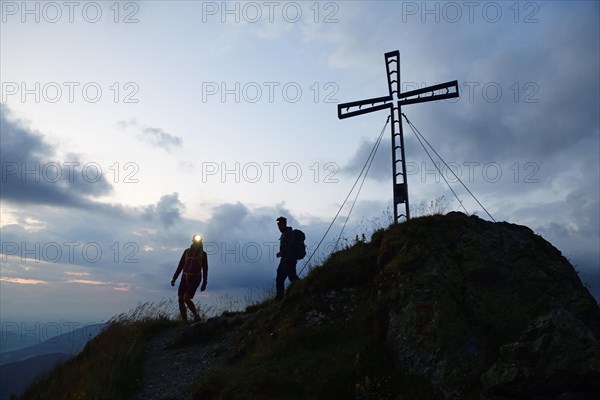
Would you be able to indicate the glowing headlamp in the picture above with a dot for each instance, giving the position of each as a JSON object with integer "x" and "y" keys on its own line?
{"x": 197, "y": 238}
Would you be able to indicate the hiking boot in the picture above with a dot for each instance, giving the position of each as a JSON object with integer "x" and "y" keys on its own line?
{"x": 197, "y": 318}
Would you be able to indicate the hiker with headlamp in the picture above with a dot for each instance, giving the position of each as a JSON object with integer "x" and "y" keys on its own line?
{"x": 194, "y": 265}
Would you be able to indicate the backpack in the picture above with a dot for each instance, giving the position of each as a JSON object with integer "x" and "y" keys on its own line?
{"x": 299, "y": 248}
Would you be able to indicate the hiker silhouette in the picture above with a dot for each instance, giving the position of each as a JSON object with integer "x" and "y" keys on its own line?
{"x": 287, "y": 263}
{"x": 194, "y": 265}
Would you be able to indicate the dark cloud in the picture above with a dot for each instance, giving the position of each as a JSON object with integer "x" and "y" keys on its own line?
{"x": 236, "y": 222}
{"x": 227, "y": 217}
{"x": 520, "y": 99}
{"x": 32, "y": 173}
{"x": 167, "y": 211}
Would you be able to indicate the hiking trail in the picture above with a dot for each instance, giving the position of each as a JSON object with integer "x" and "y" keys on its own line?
{"x": 177, "y": 356}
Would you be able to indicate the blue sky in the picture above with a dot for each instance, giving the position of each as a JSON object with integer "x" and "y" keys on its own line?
{"x": 129, "y": 126}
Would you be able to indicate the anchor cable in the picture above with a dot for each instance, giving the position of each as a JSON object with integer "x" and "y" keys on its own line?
{"x": 367, "y": 166}
{"x": 370, "y": 162}
{"x": 419, "y": 137}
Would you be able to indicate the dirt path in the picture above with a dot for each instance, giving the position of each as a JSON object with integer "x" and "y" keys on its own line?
{"x": 170, "y": 371}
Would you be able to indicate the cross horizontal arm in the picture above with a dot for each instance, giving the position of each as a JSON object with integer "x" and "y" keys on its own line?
{"x": 374, "y": 104}
{"x": 446, "y": 90}
{"x": 441, "y": 91}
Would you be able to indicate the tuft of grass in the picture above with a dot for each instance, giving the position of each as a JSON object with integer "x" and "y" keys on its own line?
{"x": 439, "y": 206}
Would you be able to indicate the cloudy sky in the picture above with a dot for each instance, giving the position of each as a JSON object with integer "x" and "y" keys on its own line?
{"x": 128, "y": 126}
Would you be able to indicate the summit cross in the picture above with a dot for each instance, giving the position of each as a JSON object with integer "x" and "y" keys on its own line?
{"x": 431, "y": 93}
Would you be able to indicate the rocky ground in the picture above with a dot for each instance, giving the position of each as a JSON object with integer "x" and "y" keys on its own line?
{"x": 171, "y": 369}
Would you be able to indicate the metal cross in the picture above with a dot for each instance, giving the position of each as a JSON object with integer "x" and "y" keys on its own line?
{"x": 431, "y": 93}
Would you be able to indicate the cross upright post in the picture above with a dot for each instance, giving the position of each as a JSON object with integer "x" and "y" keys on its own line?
{"x": 431, "y": 93}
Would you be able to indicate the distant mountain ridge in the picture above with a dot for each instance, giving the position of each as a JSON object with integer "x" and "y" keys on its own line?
{"x": 14, "y": 340}
{"x": 68, "y": 343}
{"x": 18, "y": 368}
{"x": 16, "y": 376}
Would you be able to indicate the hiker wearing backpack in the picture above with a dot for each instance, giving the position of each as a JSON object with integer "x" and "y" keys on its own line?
{"x": 194, "y": 265}
{"x": 291, "y": 247}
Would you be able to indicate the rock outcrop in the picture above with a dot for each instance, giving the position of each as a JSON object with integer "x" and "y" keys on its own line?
{"x": 557, "y": 354}
{"x": 488, "y": 308}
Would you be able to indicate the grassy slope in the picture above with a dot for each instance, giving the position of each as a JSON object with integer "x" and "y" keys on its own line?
{"x": 325, "y": 340}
